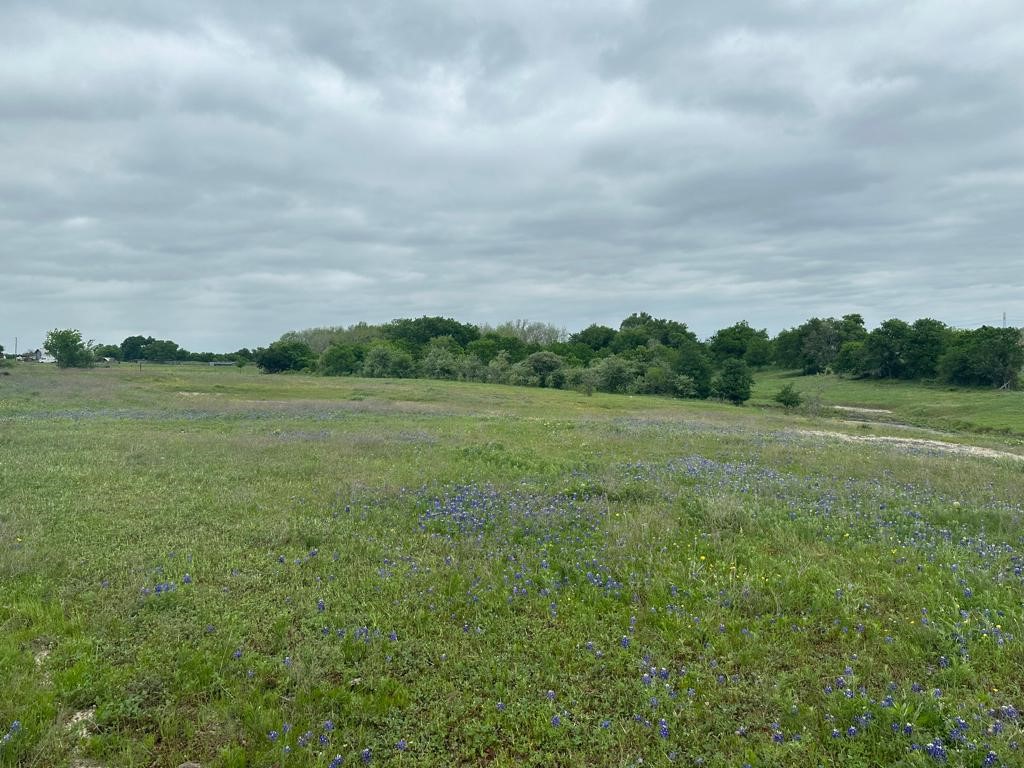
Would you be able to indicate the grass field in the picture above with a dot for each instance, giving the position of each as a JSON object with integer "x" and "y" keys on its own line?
{"x": 245, "y": 570}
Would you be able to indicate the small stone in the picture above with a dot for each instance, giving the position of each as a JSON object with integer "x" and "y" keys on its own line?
{"x": 190, "y": 765}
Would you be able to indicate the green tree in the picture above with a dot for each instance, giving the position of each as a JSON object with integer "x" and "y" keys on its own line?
{"x": 851, "y": 360}
{"x": 735, "y": 341}
{"x": 985, "y": 357}
{"x": 285, "y": 356}
{"x": 615, "y": 374}
{"x": 163, "y": 351}
{"x": 885, "y": 350}
{"x": 112, "y": 351}
{"x": 68, "y": 348}
{"x": 340, "y": 359}
{"x": 385, "y": 360}
{"x": 734, "y": 382}
{"x": 928, "y": 341}
{"x": 597, "y": 337}
{"x": 441, "y": 359}
{"x": 414, "y": 334}
{"x": 690, "y": 360}
{"x": 132, "y": 347}
{"x": 546, "y": 367}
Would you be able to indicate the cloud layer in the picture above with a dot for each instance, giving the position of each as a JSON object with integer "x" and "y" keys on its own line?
{"x": 219, "y": 174}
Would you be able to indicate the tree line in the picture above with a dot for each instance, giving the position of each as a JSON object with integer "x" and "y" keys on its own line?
{"x": 650, "y": 355}
{"x": 643, "y": 355}
{"x": 71, "y": 351}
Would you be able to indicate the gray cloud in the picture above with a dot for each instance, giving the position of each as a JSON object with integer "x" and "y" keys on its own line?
{"x": 219, "y": 174}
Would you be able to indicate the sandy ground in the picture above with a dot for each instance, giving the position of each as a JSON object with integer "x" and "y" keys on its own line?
{"x": 915, "y": 442}
{"x": 871, "y": 411}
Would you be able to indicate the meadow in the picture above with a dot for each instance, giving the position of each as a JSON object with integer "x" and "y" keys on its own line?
{"x": 237, "y": 569}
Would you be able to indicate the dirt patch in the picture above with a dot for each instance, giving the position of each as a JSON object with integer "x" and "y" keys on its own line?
{"x": 866, "y": 411}
{"x": 958, "y": 449}
{"x": 80, "y": 722}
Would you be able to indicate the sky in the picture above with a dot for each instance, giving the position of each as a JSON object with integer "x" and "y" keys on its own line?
{"x": 218, "y": 173}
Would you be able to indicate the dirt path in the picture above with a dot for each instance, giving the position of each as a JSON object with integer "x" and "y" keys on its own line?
{"x": 868, "y": 411}
{"x": 914, "y": 442}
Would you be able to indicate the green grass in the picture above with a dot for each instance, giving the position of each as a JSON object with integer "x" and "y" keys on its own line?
{"x": 510, "y": 538}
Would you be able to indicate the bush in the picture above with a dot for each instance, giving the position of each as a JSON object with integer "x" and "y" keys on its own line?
{"x": 733, "y": 382}
{"x": 581, "y": 379}
{"x": 788, "y": 397}
{"x": 546, "y": 367}
{"x": 614, "y": 374}
{"x": 384, "y": 360}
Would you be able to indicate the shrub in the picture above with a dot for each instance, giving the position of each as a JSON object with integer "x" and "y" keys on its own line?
{"x": 384, "y": 360}
{"x": 788, "y": 397}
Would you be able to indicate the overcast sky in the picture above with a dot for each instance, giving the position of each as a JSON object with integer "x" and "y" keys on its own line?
{"x": 221, "y": 172}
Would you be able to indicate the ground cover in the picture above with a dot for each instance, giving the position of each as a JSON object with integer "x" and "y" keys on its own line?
{"x": 239, "y": 569}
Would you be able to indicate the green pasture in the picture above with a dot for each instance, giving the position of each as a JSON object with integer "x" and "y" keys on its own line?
{"x": 237, "y": 569}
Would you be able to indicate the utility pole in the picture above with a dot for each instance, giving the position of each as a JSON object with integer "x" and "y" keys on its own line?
{"x": 1004, "y": 319}
{"x": 15, "y": 346}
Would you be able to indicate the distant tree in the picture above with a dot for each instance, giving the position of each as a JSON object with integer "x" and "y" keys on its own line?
{"x": 822, "y": 340}
{"x": 530, "y": 332}
{"x": 615, "y": 374}
{"x": 787, "y": 348}
{"x": 639, "y": 327}
{"x": 441, "y": 359}
{"x": 319, "y": 339}
{"x": 546, "y": 367}
{"x": 814, "y": 346}
{"x": 759, "y": 351}
{"x": 656, "y": 380}
{"x": 414, "y": 334}
{"x": 499, "y": 368}
{"x": 986, "y": 356}
{"x": 469, "y": 367}
{"x": 132, "y": 347}
{"x": 162, "y": 351}
{"x": 582, "y": 380}
{"x": 488, "y": 346}
{"x": 928, "y": 341}
{"x": 596, "y": 337}
{"x": 285, "y": 356}
{"x": 790, "y": 397}
{"x": 851, "y": 360}
{"x": 885, "y": 350}
{"x": 341, "y": 359}
{"x": 691, "y": 360}
{"x": 575, "y": 353}
{"x": 384, "y": 360}
{"x": 112, "y": 351}
{"x": 68, "y": 348}
{"x": 733, "y": 382}
{"x": 735, "y": 341}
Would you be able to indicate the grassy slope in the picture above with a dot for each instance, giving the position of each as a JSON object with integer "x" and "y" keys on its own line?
{"x": 930, "y": 405}
{"x": 751, "y": 564}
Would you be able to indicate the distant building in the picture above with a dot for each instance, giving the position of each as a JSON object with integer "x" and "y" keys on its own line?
{"x": 37, "y": 356}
